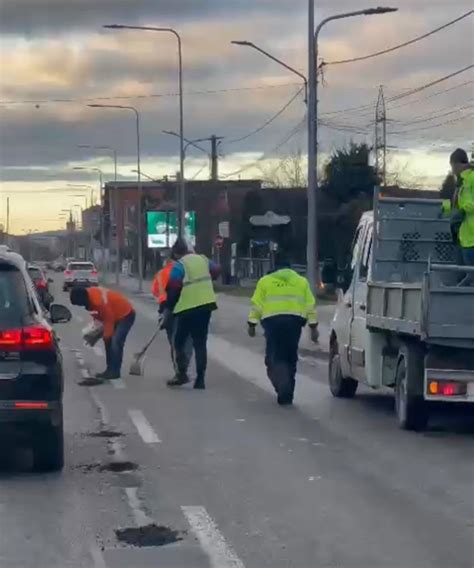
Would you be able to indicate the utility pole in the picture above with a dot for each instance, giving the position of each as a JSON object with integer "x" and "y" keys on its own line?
{"x": 214, "y": 159}
{"x": 312, "y": 248}
{"x": 8, "y": 216}
{"x": 381, "y": 138}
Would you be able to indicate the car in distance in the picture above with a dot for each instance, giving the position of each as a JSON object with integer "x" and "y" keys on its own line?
{"x": 31, "y": 371}
{"x": 80, "y": 274}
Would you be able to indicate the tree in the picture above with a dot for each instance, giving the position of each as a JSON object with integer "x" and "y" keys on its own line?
{"x": 448, "y": 187}
{"x": 348, "y": 175}
{"x": 289, "y": 172}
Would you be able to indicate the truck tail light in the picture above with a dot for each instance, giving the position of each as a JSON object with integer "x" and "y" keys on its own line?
{"x": 447, "y": 388}
{"x": 26, "y": 339}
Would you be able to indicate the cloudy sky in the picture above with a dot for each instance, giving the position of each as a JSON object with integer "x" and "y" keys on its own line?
{"x": 55, "y": 59}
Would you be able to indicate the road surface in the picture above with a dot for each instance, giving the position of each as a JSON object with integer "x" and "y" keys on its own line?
{"x": 237, "y": 480}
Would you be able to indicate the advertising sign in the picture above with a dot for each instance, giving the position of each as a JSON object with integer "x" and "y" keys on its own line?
{"x": 162, "y": 228}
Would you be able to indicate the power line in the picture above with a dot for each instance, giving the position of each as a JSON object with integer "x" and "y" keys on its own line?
{"x": 264, "y": 156}
{"x": 433, "y": 95}
{"x": 150, "y": 96}
{"x": 433, "y": 125}
{"x": 406, "y": 43}
{"x": 416, "y": 120}
{"x": 269, "y": 121}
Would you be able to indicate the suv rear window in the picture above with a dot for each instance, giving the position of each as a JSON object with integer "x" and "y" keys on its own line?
{"x": 80, "y": 266}
{"x": 15, "y": 304}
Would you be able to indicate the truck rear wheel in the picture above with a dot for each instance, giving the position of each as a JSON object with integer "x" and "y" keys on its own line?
{"x": 340, "y": 386}
{"x": 412, "y": 412}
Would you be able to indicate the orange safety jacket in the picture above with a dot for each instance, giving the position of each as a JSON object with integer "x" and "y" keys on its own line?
{"x": 109, "y": 307}
{"x": 160, "y": 282}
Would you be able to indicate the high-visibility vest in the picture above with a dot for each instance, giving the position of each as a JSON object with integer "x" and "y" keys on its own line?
{"x": 110, "y": 307}
{"x": 283, "y": 292}
{"x": 463, "y": 200}
{"x": 198, "y": 289}
{"x": 160, "y": 282}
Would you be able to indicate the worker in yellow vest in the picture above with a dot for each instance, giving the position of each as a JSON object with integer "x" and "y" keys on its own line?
{"x": 283, "y": 303}
{"x": 190, "y": 297}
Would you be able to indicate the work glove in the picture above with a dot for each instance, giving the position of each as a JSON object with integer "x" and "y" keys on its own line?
{"x": 251, "y": 329}
{"x": 314, "y": 333}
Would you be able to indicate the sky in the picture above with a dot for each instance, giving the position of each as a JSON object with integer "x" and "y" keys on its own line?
{"x": 55, "y": 59}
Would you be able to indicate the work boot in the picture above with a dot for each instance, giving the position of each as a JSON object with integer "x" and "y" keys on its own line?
{"x": 102, "y": 375}
{"x": 178, "y": 381}
{"x": 199, "y": 383}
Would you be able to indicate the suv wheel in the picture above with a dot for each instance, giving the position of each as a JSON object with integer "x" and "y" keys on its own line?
{"x": 341, "y": 387}
{"x": 49, "y": 447}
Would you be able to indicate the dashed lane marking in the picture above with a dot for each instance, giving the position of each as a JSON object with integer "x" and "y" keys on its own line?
{"x": 97, "y": 557}
{"x": 104, "y": 415}
{"x": 220, "y": 554}
{"x": 143, "y": 427}
{"x": 139, "y": 515}
{"x": 118, "y": 384}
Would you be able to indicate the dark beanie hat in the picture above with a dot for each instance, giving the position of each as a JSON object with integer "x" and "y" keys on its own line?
{"x": 459, "y": 156}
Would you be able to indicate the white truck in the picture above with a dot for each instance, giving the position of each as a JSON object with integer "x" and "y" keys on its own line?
{"x": 402, "y": 319}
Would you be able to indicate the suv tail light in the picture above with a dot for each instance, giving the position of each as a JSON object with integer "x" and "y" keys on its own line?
{"x": 94, "y": 272}
{"x": 67, "y": 273}
{"x": 41, "y": 283}
{"x": 26, "y": 339}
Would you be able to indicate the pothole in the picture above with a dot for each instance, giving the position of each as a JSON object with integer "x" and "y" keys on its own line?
{"x": 105, "y": 434}
{"x": 90, "y": 382}
{"x": 149, "y": 535}
{"x": 119, "y": 467}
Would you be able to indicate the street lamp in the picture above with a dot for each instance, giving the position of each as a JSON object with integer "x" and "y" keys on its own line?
{"x": 312, "y": 232}
{"x": 109, "y": 148}
{"x": 84, "y": 186}
{"x": 182, "y": 200}
{"x": 140, "y": 193}
{"x": 188, "y": 142}
{"x": 279, "y": 61}
{"x": 98, "y": 170}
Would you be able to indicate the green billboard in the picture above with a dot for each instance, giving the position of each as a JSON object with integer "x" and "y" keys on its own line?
{"x": 162, "y": 228}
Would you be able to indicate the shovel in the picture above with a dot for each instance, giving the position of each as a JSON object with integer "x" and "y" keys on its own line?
{"x": 137, "y": 366}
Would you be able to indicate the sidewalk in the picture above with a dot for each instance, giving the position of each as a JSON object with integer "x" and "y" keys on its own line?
{"x": 235, "y": 309}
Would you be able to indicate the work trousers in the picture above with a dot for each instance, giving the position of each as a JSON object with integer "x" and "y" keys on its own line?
{"x": 115, "y": 345}
{"x": 468, "y": 260}
{"x": 282, "y": 334}
{"x": 192, "y": 324}
{"x": 188, "y": 345}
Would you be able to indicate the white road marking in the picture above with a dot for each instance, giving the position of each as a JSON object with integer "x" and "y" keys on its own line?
{"x": 240, "y": 419}
{"x": 117, "y": 449}
{"x": 314, "y": 478}
{"x": 85, "y": 373}
{"x": 118, "y": 384}
{"x": 221, "y": 555}
{"x": 97, "y": 557}
{"x": 141, "y": 518}
{"x": 104, "y": 415}
{"x": 143, "y": 427}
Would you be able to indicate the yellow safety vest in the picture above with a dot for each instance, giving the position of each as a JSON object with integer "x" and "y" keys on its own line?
{"x": 283, "y": 292}
{"x": 198, "y": 289}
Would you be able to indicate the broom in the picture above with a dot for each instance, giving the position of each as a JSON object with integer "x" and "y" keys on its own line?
{"x": 137, "y": 366}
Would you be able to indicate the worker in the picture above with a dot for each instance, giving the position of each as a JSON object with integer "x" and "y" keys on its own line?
{"x": 461, "y": 208}
{"x": 283, "y": 303}
{"x": 116, "y": 314}
{"x": 158, "y": 289}
{"x": 191, "y": 299}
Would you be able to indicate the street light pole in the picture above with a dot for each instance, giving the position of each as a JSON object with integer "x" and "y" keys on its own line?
{"x": 279, "y": 61}
{"x": 140, "y": 191}
{"x": 313, "y": 39}
{"x": 182, "y": 188}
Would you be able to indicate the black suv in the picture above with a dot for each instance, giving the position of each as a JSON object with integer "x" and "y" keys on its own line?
{"x": 31, "y": 373}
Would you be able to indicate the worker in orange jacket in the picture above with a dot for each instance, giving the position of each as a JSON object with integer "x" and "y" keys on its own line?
{"x": 158, "y": 289}
{"x": 117, "y": 316}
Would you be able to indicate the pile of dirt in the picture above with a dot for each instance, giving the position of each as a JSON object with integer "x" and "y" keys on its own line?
{"x": 119, "y": 467}
{"x": 105, "y": 434}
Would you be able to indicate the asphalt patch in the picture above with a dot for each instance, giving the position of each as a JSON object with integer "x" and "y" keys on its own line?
{"x": 90, "y": 383}
{"x": 105, "y": 434}
{"x": 148, "y": 536}
{"x": 119, "y": 467}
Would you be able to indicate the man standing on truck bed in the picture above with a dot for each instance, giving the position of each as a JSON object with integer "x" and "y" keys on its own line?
{"x": 461, "y": 208}
{"x": 283, "y": 303}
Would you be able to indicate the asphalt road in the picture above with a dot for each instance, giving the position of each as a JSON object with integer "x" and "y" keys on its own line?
{"x": 245, "y": 483}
